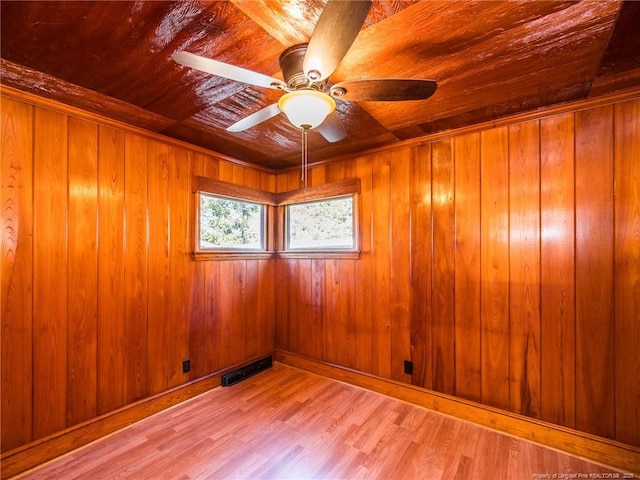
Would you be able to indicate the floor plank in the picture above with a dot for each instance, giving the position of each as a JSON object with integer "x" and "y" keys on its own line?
{"x": 288, "y": 423}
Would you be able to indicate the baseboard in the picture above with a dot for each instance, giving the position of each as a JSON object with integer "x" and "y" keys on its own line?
{"x": 41, "y": 451}
{"x": 591, "y": 447}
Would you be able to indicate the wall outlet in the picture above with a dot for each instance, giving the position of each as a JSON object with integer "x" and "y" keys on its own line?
{"x": 408, "y": 367}
{"x": 186, "y": 365}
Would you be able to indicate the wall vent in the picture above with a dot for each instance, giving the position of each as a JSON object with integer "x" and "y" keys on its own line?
{"x": 247, "y": 371}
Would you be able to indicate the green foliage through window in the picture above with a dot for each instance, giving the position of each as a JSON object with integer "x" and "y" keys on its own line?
{"x": 325, "y": 224}
{"x": 230, "y": 224}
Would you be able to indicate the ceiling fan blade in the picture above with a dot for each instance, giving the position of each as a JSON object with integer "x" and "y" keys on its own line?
{"x": 226, "y": 70}
{"x": 384, "y": 90}
{"x": 332, "y": 129}
{"x": 255, "y": 118}
{"x": 337, "y": 28}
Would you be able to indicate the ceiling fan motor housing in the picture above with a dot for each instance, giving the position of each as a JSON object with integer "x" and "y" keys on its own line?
{"x": 291, "y": 61}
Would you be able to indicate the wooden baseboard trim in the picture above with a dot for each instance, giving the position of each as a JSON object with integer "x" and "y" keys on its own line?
{"x": 41, "y": 451}
{"x": 591, "y": 447}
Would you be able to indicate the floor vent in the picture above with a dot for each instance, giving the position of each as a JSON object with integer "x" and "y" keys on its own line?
{"x": 245, "y": 372}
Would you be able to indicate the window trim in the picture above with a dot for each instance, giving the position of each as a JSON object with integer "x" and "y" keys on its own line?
{"x": 239, "y": 193}
{"x": 319, "y": 192}
{"x": 344, "y": 188}
{"x": 275, "y": 227}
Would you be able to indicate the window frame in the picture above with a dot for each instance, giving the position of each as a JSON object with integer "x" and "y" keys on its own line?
{"x": 344, "y": 188}
{"x": 238, "y": 193}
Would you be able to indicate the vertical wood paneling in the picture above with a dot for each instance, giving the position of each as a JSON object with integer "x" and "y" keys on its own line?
{"x": 316, "y": 329}
{"x": 286, "y": 304}
{"x": 443, "y": 294}
{"x": 294, "y": 307}
{"x": 334, "y": 172}
{"x": 494, "y": 263}
{"x": 225, "y": 172}
{"x": 212, "y": 315}
{"x": 266, "y": 299}
{"x": 467, "y": 268}
{"x": 238, "y": 313}
{"x": 111, "y": 315}
{"x": 332, "y": 320}
{"x": 495, "y": 273}
{"x": 535, "y": 270}
{"x": 309, "y": 338}
{"x": 524, "y": 274}
{"x": 317, "y": 322}
{"x": 282, "y": 310}
{"x": 557, "y": 327}
{"x": 159, "y": 208}
{"x": 346, "y": 312}
{"x": 50, "y": 262}
{"x": 99, "y": 289}
{"x": 238, "y": 173}
{"x": 198, "y": 332}
{"x": 225, "y": 314}
{"x": 282, "y": 281}
{"x": 318, "y": 175}
{"x": 16, "y": 144}
{"x": 82, "y": 258}
{"x": 400, "y": 320}
{"x": 594, "y": 271}
{"x": 212, "y": 167}
{"x": 136, "y": 277}
{"x": 350, "y": 344}
{"x": 267, "y": 182}
{"x": 421, "y": 281}
{"x": 381, "y": 255}
{"x": 627, "y": 270}
{"x": 251, "y": 178}
{"x": 363, "y": 313}
{"x": 252, "y": 318}
{"x": 180, "y": 283}
{"x": 337, "y": 294}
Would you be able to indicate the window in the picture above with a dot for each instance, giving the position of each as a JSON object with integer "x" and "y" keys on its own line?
{"x": 228, "y": 224}
{"x": 232, "y": 221}
{"x": 321, "y": 225}
{"x": 320, "y": 221}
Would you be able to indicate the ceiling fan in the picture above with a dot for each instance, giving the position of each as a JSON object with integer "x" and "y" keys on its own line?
{"x": 309, "y": 100}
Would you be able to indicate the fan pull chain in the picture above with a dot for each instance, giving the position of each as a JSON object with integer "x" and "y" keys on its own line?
{"x": 305, "y": 157}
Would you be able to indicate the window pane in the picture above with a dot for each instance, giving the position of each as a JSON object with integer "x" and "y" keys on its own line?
{"x": 230, "y": 224}
{"x": 327, "y": 224}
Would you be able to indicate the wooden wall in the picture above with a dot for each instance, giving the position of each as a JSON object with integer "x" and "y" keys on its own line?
{"x": 101, "y": 300}
{"x": 504, "y": 263}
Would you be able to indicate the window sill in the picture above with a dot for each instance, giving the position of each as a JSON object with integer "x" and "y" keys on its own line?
{"x": 351, "y": 255}
{"x": 206, "y": 256}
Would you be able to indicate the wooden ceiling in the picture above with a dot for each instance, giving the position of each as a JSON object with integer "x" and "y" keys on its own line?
{"x": 490, "y": 59}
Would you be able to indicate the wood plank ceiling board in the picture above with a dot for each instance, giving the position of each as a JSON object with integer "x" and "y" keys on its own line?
{"x": 288, "y": 22}
{"x": 490, "y": 59}
{"x": 123, "y": 49}
{"x": 620, "y": 64}
{"x": 519, "y": 53}
{"x": 293, "y": 22}
{"x": 45, "y": 85}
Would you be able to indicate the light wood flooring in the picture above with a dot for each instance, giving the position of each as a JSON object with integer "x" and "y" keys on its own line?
{"x": 287, "y": 423}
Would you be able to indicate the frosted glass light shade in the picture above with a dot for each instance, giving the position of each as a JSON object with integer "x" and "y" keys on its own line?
{"x": 306, "y": 108}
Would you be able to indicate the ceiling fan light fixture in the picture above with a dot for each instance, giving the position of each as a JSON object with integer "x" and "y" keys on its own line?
{"x": 306, "y": 109}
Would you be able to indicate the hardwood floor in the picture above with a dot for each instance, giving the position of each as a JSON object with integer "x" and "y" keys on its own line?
{"x": 288, "y": 423}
